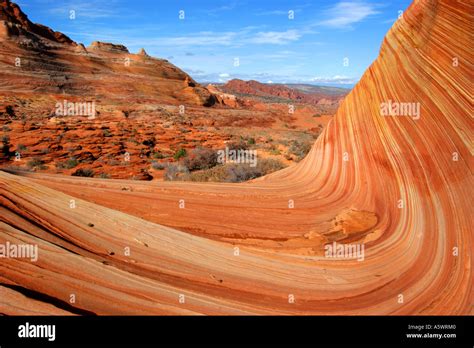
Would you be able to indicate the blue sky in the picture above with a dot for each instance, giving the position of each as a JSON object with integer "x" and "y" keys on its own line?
{"x": 270, "y": 46}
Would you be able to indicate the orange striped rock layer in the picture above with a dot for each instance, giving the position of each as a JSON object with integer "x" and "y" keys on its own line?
{"x": 401, "y": 186}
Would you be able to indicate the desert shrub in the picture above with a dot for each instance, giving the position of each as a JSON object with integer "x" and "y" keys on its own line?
{"x": 215, "y": 174}
{"x": 20, "y": 147}
{"x": 237, "y": 145}
{"x": 247, "y": 140}
{"x": 269, "y": 165}
{"x": 85, "y": 172}
{"x": 180, "y": 153}
{"x": 6, "y": 128}
{"x": 299, "y": 149}
{"x": 104, "y": 176}
{"x": 200, "y": 158}
{"x": 35, "y": 163}
{"x": 158, "y": 166}
{"x": 106, "y": 133}
{"x": 157, "y": 155}
{"x": 71, "y": 163}
{"x": 242, "y": 172}
{"x": 225, "y": 173}
{"x": 274, "y": 150}
{"x": 175, "y": 172}
{"x": 233, "y": 172}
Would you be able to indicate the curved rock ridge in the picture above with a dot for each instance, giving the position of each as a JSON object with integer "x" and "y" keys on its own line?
{"x": 397, "y": 183}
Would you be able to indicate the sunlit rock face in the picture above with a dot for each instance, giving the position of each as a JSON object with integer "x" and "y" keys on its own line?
{"x": 391, "y": 175}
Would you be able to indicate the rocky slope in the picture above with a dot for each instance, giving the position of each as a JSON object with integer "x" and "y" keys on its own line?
{"x": 36, "y": 59}
{"x": 402, "y": 186}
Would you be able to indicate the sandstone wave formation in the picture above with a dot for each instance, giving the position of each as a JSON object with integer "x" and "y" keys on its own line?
{"x": 399, "y": 185}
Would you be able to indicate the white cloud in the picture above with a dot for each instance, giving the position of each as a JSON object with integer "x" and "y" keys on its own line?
{"x": 89, "y": 10}
{"x": 343, "y": 80}
{"x": 344, "y": 14}
{"x": 230, "y": 38}
{"x": 224, "y": 75}
{"x": 275, "y": 37}
{"x": 205, "y": 38}
{"x": 214, "y": 11}
{"x": 274, "y": 12}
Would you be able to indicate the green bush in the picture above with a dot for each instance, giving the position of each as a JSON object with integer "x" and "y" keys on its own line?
{"x": 233, "y": 172}
{"x": 299, "y": 149}
{"x": 71, "y": 163}
{"x": 157, "y": 165}
{"x": 88, "y": 173}
{"x": 35, "y": 163}
{"x": 200, "y": 158}
{"x": 157, "y": 155}
{"x": 175, "y": 172}
{"x": 180, "y": 153}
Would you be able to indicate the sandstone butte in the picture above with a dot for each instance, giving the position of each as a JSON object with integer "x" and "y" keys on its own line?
{"x": 190, "y": 251}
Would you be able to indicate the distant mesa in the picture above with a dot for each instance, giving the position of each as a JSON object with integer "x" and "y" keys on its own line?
{"x": 110, "y": 47}
{"x": 315, "y": 95}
